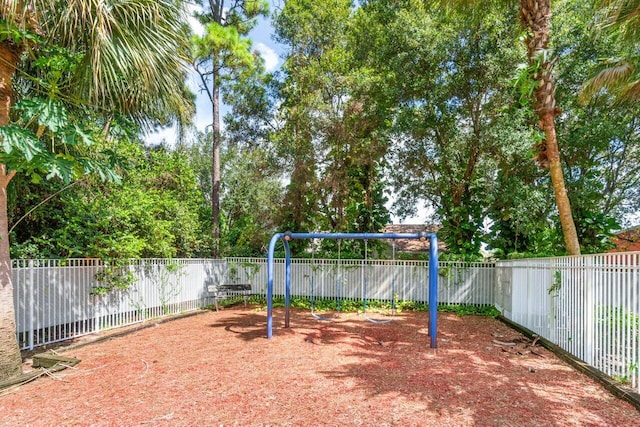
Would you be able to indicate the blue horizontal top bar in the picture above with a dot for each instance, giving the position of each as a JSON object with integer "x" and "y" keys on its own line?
{"x": 423, "y": 235}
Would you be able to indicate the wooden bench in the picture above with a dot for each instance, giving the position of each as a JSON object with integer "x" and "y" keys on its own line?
{"x": 221, "y": 292}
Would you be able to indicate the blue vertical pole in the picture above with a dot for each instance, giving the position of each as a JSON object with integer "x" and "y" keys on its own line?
{"x": 433, "y": 290}
{"x": 287, "y": 286}
{"x": 272, "y": 246}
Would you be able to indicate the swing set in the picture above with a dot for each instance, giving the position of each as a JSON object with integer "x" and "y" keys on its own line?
{"x": 364, "y": 284}
{"x": 286, "y": 237}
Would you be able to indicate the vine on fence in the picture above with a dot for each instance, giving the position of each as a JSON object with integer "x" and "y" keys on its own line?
{"x": 115, "y": 276}
{"x": 168, "y": 283}
{"x": 556, "y": 284}
{"x": 249, "y": 270}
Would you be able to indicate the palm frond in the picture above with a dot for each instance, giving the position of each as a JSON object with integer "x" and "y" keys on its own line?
{"x": 623, "y": 15}
{"x": 613, "y": 77}
{"x": 135, "y": 51}
{"x": 631, "y": 92}
{"x": 622, "y": 11}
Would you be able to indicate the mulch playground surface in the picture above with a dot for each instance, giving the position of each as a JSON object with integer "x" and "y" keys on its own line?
{"x": 218, "y": 368}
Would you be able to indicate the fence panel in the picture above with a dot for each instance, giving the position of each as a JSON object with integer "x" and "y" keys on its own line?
{"x": 52, "y": 300}
{"x": 459, "y": 283}
{"x": 587, "y": 305}
{"x": 57, "y": 300}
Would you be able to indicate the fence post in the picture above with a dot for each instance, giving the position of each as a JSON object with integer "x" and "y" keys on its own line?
{"x": 587, "y": 270}
{"x": 552, "y": 301}
{"x": 31, "y": 305}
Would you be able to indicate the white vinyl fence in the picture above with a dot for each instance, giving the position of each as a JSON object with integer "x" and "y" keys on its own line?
{"x": 588, "y": 305}
{"x": 459, "y": 283}
{"x": 56, "y": 300}
{"x": 60, "y": 299}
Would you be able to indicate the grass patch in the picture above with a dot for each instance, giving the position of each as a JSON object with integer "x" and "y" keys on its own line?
{"x": 467, "y": 310}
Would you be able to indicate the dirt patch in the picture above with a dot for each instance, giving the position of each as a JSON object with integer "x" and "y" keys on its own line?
{"x": 219, "y": 369}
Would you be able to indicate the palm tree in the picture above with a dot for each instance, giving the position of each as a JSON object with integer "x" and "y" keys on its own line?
{"x": 132, "y": 62}
{"x": 535, "y": 16}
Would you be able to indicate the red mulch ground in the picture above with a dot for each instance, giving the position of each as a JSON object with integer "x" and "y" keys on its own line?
{"x": 219, "y": 369}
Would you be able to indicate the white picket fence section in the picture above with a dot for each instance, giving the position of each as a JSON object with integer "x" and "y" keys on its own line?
{"x": 588, "y": 305}
{"x": 459, "y": 283}
{"x": 56, "y": 299}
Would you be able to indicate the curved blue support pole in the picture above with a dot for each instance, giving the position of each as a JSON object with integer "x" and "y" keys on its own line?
{"x": 287, "y": 281}
{"x": 433, "y": 290}
{"x": 272, "y": 247}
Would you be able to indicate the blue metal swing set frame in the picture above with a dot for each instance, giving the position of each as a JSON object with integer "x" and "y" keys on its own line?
{"x": 287, "y": 236}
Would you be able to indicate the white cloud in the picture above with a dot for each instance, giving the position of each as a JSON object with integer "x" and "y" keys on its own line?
{"x": 195, "y": 25}
{"x": 168, "y": 134}
{"x": 269, "y": 55}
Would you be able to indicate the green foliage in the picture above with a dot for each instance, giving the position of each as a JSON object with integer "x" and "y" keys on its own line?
{"x": 226, "y": 43}
{"x": 470, "y": 310}
{"x": 379, "y": 95}
{"x": 449, "y": 77}
{"x": 325, "y": 305}
{"x": 556, "y": 284}
{"x": 116, "y": 275}
{"x": 520, "y": 209}
{"x": 599, "y": 140}
{"x": 527, "y": 76}
{"x": 251, "y": 194}
{"x": 68, "y": 154}
{"x": 615, "y": 318}
{"x": 595, "y": 230}
{"x": 168, "y": 282}
{"x": 11, "y": 32}
{"x": 153, "y": 213}
{"x": 20, "y": 140}
{"x": 610, "y": 320}
{"x": 333, "y": 133}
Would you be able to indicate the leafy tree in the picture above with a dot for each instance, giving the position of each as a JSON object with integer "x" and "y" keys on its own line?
{"x": 222, "y": 55}
{"x": 154, "y": 213}
{"x": 99, "y": 59}
{"x": 251, "y": 185}
{"x": 449, "y": 79}
{"x": 251, "y": 196}
{"x": 537, "y": 81}
{"x": 331, "y": 133}
{"x": 519, "y": 210}
{"x": 252, "y": 101}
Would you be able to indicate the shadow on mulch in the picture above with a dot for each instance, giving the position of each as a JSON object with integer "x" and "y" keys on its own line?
{"x": 246, "y": 326}
{"x": 372, "y": 375}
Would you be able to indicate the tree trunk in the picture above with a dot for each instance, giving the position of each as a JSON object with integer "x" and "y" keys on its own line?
{"x": 10, "y": 359}
{"x": 535, "y": 16}
{"x": 215, "y": 163}
{"x": 557, "y": 179}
